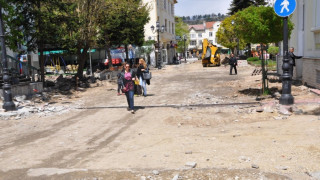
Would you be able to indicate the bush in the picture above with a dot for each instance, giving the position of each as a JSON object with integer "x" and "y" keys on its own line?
{"x": 253, "y": 59}
{"x": 273, "y": 50}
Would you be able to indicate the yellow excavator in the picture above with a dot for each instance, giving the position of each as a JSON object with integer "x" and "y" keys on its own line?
{"x": 210, "y": 55}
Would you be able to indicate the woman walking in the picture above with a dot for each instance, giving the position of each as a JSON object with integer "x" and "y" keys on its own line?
{"x": 128, "y": 77}
{"x": 141, "y": 69}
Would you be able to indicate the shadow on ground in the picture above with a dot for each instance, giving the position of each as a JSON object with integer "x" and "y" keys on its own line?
{"x": 257, "y": 92}
{"x": 315, "y": 112}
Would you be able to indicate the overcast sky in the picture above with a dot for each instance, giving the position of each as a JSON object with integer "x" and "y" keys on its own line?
{"x": 201, "y": 7}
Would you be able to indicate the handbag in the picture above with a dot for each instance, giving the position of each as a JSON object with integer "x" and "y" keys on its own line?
{"x": 127, "y": 87}
{"x": 147, "y": 75}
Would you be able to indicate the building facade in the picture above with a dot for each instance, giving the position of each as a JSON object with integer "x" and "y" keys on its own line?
{"x": 163, "y": 12}
{"x": 305, "y": 38}
{"x": 198, "y": 32}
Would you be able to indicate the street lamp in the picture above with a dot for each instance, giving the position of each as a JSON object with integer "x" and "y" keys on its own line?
{"x": 158, "y": 29}
{"x": 184, "y": 44}
{"x": 232, "y": 22}
{"x": 8, "y": 104}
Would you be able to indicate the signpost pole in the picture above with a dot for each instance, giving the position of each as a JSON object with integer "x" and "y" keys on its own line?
{"x": 286, "y": 97}
{"x": 8, "y": 104}
{"x": 284, "y": 8}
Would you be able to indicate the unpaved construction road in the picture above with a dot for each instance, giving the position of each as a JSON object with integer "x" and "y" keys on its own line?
{"x": 192, "y": 116}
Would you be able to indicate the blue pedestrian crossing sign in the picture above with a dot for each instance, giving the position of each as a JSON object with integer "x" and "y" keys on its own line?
{"x": 284, "y": 8}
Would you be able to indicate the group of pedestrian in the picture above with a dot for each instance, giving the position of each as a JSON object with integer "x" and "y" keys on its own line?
{"x": 126, "y": 82}
{"x": 292, "y": 61}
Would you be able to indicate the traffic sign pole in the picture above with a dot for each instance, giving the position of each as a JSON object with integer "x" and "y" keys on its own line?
{"x": 286, "y": 97}
{"x": 285, "y": 8}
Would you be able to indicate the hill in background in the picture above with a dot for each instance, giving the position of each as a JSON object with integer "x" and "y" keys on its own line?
{"x": 198, "y": 19}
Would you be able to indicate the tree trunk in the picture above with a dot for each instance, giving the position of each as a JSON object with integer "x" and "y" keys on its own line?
{"x": 264, "y": 75}
{"x": 82, "y": 56}
{"x": 127, "y": 53}
{"x": 40, "y": 44}
{"x": 41, "y": 61}
{"x": 109, "y": 56}
{"x": 249, "y": 50}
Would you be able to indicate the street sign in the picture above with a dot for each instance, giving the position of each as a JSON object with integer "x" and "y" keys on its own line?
{"x": 284, "y": 8}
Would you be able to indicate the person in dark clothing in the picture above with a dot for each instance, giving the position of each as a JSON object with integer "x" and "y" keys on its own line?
{"x": 128, "y": 76}
{"x": 141, "y": 69}
{"x": 120, "y": 83}
{"x": 292, "y": 60}
{"x": 233, "y": 64}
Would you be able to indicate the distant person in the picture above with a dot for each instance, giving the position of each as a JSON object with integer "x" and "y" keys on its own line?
{"x": 292, "y": 60}
{"x": 120, "y": 83}
{"x": 141, "y": 69}
{"x": 131, "y": 56}
{"x": 233, "y": 64}
{"x": 128, "y": 77}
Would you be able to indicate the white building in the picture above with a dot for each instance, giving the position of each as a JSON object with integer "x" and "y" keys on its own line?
{"x": 199, "y": 32}
{"x": 162, "y": 11}
{"x": 305, "y": 38}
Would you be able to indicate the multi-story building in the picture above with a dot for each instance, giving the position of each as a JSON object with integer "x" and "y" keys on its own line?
{"x": 199, "y": 32}
{"x": 162, "y": 11}
{"x": 305, "y": 38}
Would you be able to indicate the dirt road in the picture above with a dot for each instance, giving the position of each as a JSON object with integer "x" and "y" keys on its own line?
{"x": 192, "y": 116}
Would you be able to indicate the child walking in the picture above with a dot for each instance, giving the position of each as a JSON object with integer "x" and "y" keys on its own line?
{"x": 120, "y": 83}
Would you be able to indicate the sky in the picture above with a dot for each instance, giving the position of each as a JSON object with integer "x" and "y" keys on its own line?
{"x": 201, "y": 7}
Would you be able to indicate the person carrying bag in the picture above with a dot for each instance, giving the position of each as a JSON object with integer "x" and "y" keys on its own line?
{"x": 142, "y": 74}
{"x": 128, "y": 77}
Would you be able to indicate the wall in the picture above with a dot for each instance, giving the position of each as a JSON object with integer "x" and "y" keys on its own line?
{"x": 309, "y": 73}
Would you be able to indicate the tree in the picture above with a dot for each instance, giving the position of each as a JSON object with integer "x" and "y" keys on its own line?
{"x": 81, "y": 29}
{"x": 33, "y": 24}
{"x": 180, "y": 30}
{"x": 238, "y": 5}
{"x": 264, "y": 27}
{"x": 135, "y": 16}
{"x": 122, "y": 24}
{"x": 227, "y": 36}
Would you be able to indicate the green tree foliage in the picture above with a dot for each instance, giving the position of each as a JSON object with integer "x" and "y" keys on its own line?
{"x": 227, "y": 36}
{"x": 180, "y": 30}
{"x": 273, "y": 50}
{"x": 33, "y": 24}
{"x": 122, "y": 23}
{"x": 262, "y": 23}
{"x": 238, "y": 5}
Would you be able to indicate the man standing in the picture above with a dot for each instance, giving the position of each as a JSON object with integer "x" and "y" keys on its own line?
{"x": 131, "y": 56}
{"x": 292, "y": 59}
{"x": 233, "y": 64}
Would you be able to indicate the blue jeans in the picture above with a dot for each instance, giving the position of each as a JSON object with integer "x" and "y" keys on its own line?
{"x": 143, "y": 85}
{"x": 130, "y": 101}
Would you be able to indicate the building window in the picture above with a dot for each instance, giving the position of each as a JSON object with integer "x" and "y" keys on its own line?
{"x": 172, "y": 9}
{"x": 199, "y": 35}
{"x": 317, "y": 40}
{"x": 165, "y": 4}
{"x": 173, "y": 29}
{"x": 165, "y": 25}
{"x": 193, "y": 43}
{"x": 200, "y": 42}
{"x": 317, "y": 7}
{"x": 210, "y": 34}
{"x": 193, "y": 36}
